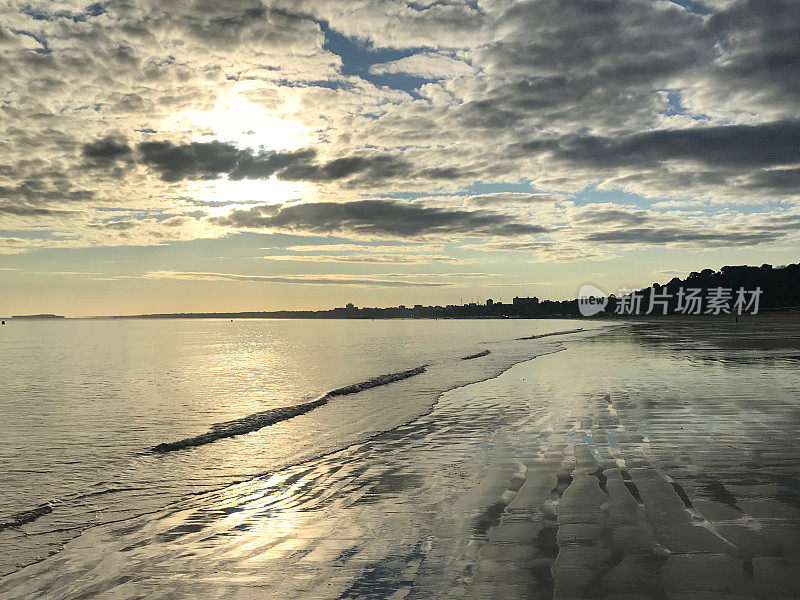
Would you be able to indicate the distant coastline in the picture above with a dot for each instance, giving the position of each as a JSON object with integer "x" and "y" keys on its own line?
{"x": 780, "y": 287}
{"x": 391, "y": 313}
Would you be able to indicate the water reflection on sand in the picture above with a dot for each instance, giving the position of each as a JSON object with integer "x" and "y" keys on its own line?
{"x": 637, "y": 463}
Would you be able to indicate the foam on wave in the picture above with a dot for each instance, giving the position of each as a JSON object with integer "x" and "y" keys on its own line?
{"x": 476, "y": 355}
{"x": 265, "y": 418}
{"x": 543, "y": 335}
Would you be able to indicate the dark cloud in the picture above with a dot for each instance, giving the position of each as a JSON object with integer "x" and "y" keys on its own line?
{"x": 614, "y": 40}
{"x": 677, "y": 235}
{"x": 38, "y": 191}
{"x": 780, "y": 180}
{"x": 265, "y": 164}
{"x": 759, "y": 39}
{"x": 378, "y": 217}
{"x": 738, "y": 146}
{"x": 206, "y": 160}
{"x": 624, "y": 225}
{"x": 32, "y": 211}
{"x": 610, "y": 215}
{"x": 787, "y": 223}
{"x": 247, "y": 23}
{"x": 570, "y": 64}
{"x": 210, "y": 160}
{"x": 37, "y": 198}
{"x": 106, "y": 151}
{"x": 366, "y": 167}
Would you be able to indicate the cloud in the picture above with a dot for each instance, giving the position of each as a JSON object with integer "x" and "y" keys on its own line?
{"x": 604, "y": 216}
{"x": 348, "y": 280}
{"x": 116, "y": 225}
{"x": 211, "y": 160}
{"x": 31, "y": 211}
{"x": 739, "y": 146}
{"x": 127, "y": 108}
{"x": 671, "y": 273}
{"x": 371, "y": 167}
{"x": 756, "y": 72}
{"x": 207, "y": 160}
{"x": 431, "y": 65}
{"x": 12, "y": 245}
{"x": 617, "y": 225}
{"x": 510, "y": 198}
{"x": 105, "y": 151}
{"x": 37, "y": 191}
{"x": 385, "y": 248}
{"x": 675, "y": 235}
{"x": 523, "y": 285}
{"x": 367, "y": 253}
{"x": 545, "y": 251}
{"x": 379, "y": 218}
{"x": 785, "y": 180}
{"x": 409, "y": 259}
{"x": 575, "y": 65}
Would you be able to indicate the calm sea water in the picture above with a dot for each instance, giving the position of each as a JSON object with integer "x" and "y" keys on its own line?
{"x": 83, "y": 401}
{"x": 653, "y": 459}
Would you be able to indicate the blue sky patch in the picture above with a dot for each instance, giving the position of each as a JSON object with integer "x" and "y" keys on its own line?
{"x": 693, "y": 6}
{"x": 359, "y": 55}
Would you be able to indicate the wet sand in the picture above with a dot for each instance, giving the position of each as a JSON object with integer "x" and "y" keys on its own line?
{"x": 659, "y": 461}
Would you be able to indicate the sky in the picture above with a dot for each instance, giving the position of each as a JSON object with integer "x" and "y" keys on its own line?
{"x": 257, "y": 155}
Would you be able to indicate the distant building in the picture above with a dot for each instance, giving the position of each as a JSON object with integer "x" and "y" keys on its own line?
{"x": 526, "y": 303}
{"x": 489, "y": 302}
{"x": 418, "y": 307}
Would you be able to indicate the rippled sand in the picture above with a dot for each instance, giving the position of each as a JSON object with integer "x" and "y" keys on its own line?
{"x": 659, "y": 461}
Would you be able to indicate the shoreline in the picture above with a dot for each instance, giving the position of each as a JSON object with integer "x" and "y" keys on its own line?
{"x": 545, "y": 480}
{"x": 309, "y": 315}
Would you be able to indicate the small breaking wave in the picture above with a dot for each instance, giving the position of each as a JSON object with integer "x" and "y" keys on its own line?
{"x": 542, "y": 335}
{"x": 265, "y": 418}
{"x": 476, "y": 355}
{"x": 26, "y": 516}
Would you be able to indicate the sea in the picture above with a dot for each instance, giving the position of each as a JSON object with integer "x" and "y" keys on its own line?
{"x": 84, "y": 401}
{"x": 451, "y": 458}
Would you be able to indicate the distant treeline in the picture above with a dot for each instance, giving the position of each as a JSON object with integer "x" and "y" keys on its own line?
{"x": 780, "y": 288}
{"x": 776, "y": 288}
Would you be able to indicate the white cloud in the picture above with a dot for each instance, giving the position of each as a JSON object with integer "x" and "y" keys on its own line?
{"x": 431, "y": 65}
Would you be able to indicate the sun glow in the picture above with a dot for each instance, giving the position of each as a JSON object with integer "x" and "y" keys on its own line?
{"x": 246, "y": 192}
{"x": 244, "y": 124}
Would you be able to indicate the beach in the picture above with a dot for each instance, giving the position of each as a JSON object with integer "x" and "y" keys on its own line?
{"x": 634, "y": 460}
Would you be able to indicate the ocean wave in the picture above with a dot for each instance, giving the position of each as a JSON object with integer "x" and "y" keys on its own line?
{"x": 543, "y": 335}
{"x": 26, "y": 516}
{"x": 476, "y": 355}
{"x": 265, "y": 418}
